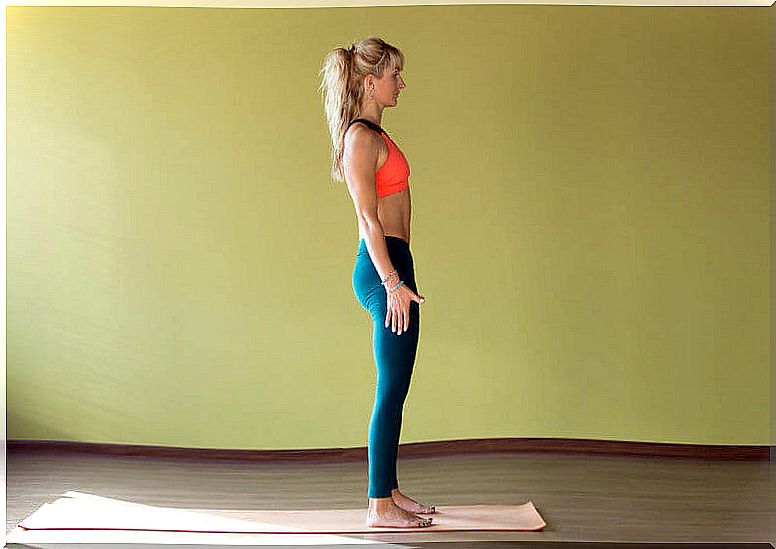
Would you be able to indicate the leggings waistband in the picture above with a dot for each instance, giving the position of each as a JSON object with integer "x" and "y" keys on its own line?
{"x": 393, "y": 242}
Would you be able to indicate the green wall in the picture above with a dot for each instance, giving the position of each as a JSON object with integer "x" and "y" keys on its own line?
{"x": 590, "y": 228}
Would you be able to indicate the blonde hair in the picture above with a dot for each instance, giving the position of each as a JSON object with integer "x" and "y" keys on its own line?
{"x": 343, "y": 78}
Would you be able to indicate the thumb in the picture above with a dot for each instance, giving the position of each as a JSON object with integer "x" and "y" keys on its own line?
{"x": 420, "y": 299}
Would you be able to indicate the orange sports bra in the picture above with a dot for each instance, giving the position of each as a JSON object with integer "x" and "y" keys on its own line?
{"x": 394, "y": 175}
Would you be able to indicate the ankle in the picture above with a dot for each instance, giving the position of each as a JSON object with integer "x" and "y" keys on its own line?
{"x": 380, "y": 504}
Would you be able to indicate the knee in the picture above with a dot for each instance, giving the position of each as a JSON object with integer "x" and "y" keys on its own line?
{"x": 390, "y": 383}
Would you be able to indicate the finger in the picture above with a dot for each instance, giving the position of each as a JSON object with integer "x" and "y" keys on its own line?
{"x": 394, "y": 321}
{"x": 387, "y": 318}
{"x": 406, "y": 319}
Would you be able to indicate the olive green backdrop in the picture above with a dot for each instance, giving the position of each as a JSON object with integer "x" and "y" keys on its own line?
{"x": 590, "y": 228}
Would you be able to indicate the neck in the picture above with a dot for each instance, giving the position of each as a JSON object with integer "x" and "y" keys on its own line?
{"x": 373, "y": 113}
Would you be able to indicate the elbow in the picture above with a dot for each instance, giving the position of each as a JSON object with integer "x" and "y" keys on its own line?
{"x": 370, "y": 220}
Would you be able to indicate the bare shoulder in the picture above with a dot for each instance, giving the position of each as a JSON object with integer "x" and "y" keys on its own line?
{"x": 361, "y": 140}
{"x": 360, "y": 132}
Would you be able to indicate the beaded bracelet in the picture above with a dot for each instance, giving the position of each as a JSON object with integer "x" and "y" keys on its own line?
{"x": 389, "y": 275}
{"x": 394, "y": 288}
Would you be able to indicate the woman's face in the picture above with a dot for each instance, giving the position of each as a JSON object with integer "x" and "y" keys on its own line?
{"x": 388, "y": 87}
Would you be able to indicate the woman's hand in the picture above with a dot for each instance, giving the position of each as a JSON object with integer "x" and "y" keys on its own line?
{"x": 398, "y": 305}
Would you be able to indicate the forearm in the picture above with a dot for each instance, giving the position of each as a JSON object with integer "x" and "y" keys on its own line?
{"x": 378, "y": 249}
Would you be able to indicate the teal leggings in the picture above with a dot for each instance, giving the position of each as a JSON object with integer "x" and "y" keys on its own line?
{"x": 394, "y": 357}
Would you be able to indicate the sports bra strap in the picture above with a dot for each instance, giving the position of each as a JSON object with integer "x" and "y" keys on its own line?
{"x": 369, "y": 123}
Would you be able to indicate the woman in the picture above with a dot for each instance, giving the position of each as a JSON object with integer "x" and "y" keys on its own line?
{"x": 360, "y": 82}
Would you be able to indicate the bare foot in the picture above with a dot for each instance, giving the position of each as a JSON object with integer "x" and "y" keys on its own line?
{"x": 409, "y": 504}
{"x": 388, "y": 514}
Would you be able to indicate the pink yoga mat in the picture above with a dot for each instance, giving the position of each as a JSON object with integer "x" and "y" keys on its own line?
{"x": 79, "y": 511}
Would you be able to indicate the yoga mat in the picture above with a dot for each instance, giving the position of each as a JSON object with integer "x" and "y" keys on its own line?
{"x": 79, "y": 511}
{"x": 134, "y": 538}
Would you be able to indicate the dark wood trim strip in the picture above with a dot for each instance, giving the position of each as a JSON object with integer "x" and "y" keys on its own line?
{"x": 417, "y": 449}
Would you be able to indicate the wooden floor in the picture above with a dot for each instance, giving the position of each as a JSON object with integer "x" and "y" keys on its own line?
{"x": 581, "y": 497}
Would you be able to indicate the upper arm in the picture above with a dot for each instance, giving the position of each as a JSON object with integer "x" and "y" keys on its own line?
{"x": 359, "y": 165}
